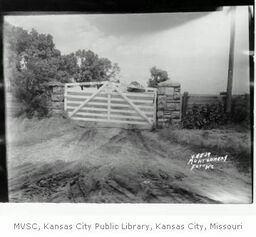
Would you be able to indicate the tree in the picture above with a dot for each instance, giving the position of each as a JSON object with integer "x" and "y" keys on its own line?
{"x": 157, "y": 76}
{"x": 94, "y": 68}
{"x": 67, "y": 67}
{"x": 31, "y": 60}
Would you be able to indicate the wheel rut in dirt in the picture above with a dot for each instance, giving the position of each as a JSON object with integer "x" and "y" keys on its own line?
{"x": 101, "y": 184}
{"x": 99, "y": 165}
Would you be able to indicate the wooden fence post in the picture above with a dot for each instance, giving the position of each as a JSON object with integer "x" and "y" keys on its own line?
{"x": 184, "y": 104}
{"x": 231, "y": 60}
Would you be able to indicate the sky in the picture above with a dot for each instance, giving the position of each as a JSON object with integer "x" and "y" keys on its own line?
{"x": 192, "y": 47}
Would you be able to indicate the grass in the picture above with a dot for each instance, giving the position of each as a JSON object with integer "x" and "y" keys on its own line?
{"x": 232, "y": 140}
{"x": 219, "y": 139}
{"x": 23, "y": 131}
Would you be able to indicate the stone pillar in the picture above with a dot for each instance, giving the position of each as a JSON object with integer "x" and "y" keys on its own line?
{"x": 168, "y": 103}
{"x": 56, "y": 104}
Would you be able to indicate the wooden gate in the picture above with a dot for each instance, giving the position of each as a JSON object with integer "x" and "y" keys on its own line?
{"x": 106, "y": 102}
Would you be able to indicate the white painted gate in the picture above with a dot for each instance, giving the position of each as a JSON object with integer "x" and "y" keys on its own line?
{"x": 106, "y": 102}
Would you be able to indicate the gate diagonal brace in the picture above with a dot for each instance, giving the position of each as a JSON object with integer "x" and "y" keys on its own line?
{"x": 87, "y": 100}
{"x": 134, "y": 106}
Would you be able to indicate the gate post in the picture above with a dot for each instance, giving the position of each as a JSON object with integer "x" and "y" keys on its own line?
{"x": 169, "y": 103}
{"x": 56, "y": 98}
{"x": 184, "y": 104}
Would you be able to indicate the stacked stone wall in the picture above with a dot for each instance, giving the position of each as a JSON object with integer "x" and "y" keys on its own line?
{"x": 56, "y": 104}
{"x": 168, "y": 104}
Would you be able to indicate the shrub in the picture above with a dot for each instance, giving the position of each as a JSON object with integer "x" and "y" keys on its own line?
{"x": 29, "y": 90}
{"x": 240, "y": 109}
{"x": 205, "y": 117}
{"x": 212, "y": 115}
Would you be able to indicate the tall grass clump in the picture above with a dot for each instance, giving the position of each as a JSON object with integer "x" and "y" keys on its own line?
{"x": 217, "y": 139}
{"x": 24, "y": 131}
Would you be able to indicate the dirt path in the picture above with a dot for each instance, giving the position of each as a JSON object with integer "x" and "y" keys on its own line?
{"x": 117, "y": 165}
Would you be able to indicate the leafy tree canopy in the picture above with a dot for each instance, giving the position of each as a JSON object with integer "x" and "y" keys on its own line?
{"x": 94, "y": 68}
{"x": 157, "y": 76}
{"x": 31, "y": 60}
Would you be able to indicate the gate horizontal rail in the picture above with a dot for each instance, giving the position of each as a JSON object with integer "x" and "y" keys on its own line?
{"x": 109, "y": 104}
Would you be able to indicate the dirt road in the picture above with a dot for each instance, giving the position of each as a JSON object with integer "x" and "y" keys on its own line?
{"x": 118, "y": 166}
